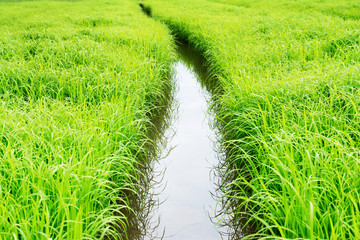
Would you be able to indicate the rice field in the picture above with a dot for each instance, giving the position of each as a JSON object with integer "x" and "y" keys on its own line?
{"x": 287, "y": 107}
{"x": 80, "y": 83}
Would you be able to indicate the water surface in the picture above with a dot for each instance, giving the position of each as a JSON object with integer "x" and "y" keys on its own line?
{"x": 187, "y": 202}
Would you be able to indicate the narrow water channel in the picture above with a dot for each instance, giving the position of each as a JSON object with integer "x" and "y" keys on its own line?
{"x": 186, "y": 198}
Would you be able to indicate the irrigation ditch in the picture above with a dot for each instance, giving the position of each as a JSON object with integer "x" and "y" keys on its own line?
{"x": 182, "y": 192}
{"x": 186, "y": 199}
{"x": 185, "y": 193}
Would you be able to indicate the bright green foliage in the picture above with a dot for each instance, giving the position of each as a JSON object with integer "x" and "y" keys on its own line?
{"x": 79, "y": 84}
{"x": 289, "y": 110}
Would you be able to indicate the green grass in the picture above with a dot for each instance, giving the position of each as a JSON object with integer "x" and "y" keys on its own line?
{"x": 289, "y": 109}
{"x": 80, "y": 83}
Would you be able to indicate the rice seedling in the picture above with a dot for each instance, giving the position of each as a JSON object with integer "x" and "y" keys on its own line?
{"x": 288, "y": 109}
{"x": 80, "y": 82}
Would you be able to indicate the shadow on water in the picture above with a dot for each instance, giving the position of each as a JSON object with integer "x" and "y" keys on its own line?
{"x": 143, "y": 201}
{"x": 193, "y": 59}
{"x": 234, "y": 226}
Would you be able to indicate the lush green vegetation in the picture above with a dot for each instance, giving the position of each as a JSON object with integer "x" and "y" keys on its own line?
{"x": 80, "y": 82}
{"x": 289, "y": 75}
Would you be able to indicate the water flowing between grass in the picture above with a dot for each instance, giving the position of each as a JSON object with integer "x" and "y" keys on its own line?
{"x": 186, "y": 186}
